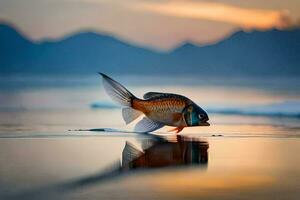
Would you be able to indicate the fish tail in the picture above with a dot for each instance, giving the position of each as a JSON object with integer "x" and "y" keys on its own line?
{"x": 122, "y": 96}
{"x": 117, "y": 91}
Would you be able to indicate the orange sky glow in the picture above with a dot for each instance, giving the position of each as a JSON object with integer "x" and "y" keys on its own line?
{"x": 159, "y": 24}
{"x": 243, "y": 17}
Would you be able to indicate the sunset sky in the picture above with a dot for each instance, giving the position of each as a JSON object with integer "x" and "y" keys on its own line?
{"x": 160, "y": 24}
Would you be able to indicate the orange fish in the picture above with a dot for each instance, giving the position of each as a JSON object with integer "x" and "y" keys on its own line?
{"x": 160, "y": 109}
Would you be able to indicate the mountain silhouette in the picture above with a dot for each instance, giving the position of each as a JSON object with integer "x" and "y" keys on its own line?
{"x": 273, "y": 52}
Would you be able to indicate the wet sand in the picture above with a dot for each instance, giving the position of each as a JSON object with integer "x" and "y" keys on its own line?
{"x": 236, "y": 168}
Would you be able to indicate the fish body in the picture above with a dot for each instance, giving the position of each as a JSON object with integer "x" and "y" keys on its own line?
{"x": 166, "y": 109}
{"x": 160, "y": 109}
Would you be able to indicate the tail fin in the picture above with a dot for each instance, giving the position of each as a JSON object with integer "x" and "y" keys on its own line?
{"x": 116, "y": 91}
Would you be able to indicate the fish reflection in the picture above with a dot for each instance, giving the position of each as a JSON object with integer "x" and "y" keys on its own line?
{"x": 164, "y": 153}
{"x": 156, "y": 152}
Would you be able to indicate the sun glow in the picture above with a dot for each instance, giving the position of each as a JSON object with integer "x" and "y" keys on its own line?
{"x": 244, "y": 17}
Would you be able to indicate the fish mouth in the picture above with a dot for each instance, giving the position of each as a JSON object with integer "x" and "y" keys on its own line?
{"x": 204, "y": 124}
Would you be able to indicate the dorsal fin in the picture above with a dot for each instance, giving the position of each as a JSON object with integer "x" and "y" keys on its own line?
{"x": 149, "y": 95}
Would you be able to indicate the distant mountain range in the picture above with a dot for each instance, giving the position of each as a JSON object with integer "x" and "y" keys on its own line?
{"x": 273, "y": 52}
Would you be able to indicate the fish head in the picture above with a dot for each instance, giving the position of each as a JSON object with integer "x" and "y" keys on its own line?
{"x": 195, "y": 116}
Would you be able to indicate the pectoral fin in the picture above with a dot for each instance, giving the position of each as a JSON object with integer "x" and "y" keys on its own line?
{"x": 147, "y": 125}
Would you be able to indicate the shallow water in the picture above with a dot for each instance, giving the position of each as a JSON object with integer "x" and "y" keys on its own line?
{"x": 252, "y": 154}
{"x": 71, "y": 168}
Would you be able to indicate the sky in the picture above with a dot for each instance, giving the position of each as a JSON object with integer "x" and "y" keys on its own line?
{"x": 158, "y": 24}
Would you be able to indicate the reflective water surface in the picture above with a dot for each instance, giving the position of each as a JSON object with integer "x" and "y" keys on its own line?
{"x": 250, "y": 151}
{"x": 150, "y": 167}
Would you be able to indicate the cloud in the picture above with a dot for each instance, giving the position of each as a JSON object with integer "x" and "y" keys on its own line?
{"x": 247, "y": 18}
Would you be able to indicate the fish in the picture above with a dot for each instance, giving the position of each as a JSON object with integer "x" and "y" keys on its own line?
{"x": 158, "y": 109}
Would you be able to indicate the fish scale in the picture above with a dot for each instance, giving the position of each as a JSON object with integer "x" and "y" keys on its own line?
{"x": 162, "y": 105}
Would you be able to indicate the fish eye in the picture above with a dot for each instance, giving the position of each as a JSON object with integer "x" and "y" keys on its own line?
{"x": 201, "y": 116}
